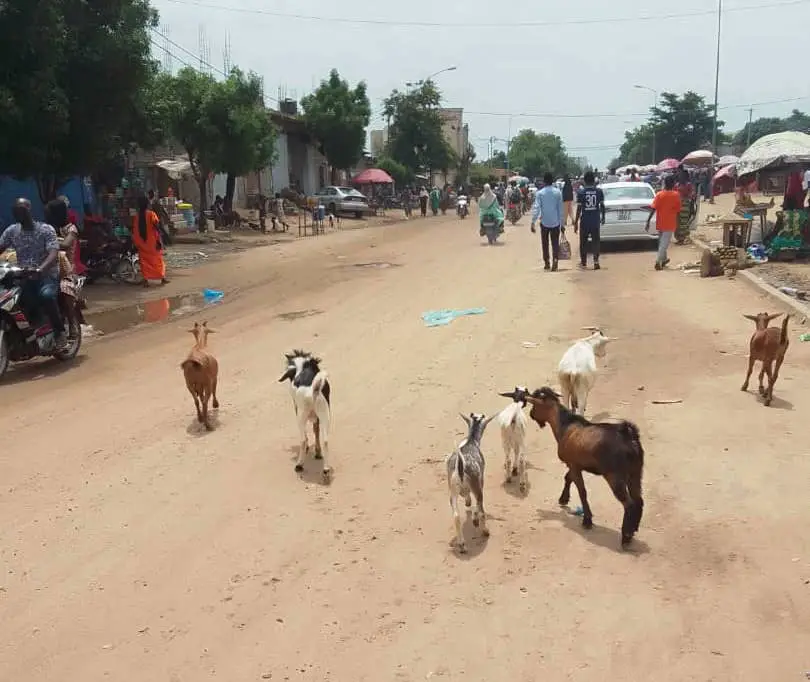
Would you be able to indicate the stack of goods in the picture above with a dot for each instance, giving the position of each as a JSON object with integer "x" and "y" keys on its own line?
{"x": 723, "y": 260}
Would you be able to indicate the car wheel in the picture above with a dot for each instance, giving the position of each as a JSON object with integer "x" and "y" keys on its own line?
{"x": 358, "y": 214}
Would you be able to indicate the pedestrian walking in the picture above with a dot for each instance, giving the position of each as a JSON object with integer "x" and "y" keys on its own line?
{"x": 407, "y": 199}
{"x": 666, "y": 207}
{"x": 423, "y": 201}
{"x": 589, "y": 219}
{"x": 548, "y": 206}
{"x": 568, "y": 200}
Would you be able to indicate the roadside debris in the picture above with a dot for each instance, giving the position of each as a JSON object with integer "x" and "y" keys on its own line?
{"x": 438, "y": 318}
{"x": 667, "y": 402}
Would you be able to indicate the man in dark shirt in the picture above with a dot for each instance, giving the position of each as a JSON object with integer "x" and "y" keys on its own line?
{"x": 568, "y": 199}
{"x": 590, "y": 217}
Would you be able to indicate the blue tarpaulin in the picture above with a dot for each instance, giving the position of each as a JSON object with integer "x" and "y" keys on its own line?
{"x": 439, "y": 318}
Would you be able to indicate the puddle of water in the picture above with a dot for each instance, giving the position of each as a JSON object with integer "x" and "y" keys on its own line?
{"x": 377, "y": 264}
{"x": 299, "y": 314}
{"x": 148, "y": 312}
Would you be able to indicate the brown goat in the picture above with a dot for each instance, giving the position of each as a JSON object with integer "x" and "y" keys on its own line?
{"x": 768, "y": 345}
{"x": 200, "y": 369}
{"x": 610, "y": 450}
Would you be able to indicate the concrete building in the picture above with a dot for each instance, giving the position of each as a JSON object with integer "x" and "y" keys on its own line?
{"x": 377, "y": 141}
{"x": 457, "y": 136}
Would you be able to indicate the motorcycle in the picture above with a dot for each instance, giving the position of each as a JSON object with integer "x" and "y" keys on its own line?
{"x": 514, "y": 213}
{"x": 461, "y": 207}
{"x": 491, "y": 228}
{"x": 23, "y": 336}
{"x": 117, "y": 259}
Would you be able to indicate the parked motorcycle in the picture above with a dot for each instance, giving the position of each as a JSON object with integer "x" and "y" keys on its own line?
{"x": 461, "y": 207}
{"x": 23, "y": 336}
{"x": 117, "y": 259}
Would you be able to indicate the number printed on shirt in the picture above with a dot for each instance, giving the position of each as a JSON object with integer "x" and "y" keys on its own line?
{"x": 590, "y": 201}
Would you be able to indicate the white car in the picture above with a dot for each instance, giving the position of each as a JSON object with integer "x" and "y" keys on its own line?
{"x": 627, "y": 205}
{"x": 339, "y": 200}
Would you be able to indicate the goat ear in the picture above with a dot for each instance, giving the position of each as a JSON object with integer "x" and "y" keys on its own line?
{"x": 774, "y": 316}
{"x": 487, "y": 421}
{"x": 753, "y": 318}
{"x": 289, "y": 374}
{"x": 465, "y": 418}
{"x": 507, "y": 395}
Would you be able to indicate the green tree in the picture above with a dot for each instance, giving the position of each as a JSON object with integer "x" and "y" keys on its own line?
{"x": 337, "y": 115}
{"x": 536, "y": 153}
{"x": 481, "y": 173}
{"x": 678, "y": 125}
{"x": 498, "y": 159}
{"x": 465, "y": 163}
{"x": 247, "y": 136}
{"x": 797, "y": 120}
{"x": 416, "y": 138}
{"x": 401, "y": 174}
{"x": 70, "y": 74}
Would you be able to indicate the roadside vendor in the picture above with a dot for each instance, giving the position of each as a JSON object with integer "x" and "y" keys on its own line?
{"x": 686, "y": 189}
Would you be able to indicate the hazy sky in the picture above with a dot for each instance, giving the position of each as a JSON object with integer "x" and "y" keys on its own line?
{"x": 579, "y": 59}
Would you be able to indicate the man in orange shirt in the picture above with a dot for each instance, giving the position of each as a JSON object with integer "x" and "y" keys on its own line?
{"x": 666, "y": 206}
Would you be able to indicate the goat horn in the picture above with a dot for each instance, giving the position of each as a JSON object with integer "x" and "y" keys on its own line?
{"x": 591, "y": 329}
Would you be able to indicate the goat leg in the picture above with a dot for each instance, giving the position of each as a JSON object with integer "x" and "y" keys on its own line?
{"x": 762, "y": 390}
{"x": 303, "y": 444}
{"x": 565, "y": 496}
{"x": 322, "y": 427}
{"x": 196, "y": 406}
{"x": 216, "y": 402}
{"x": 523, "y": 478}
{"x": 587, "y": 516}
{"x": 748, "y": 375}
{"x": 479, "y": 515}
{"x": 462, "y": 547}
{"x": 204, "y": 399}
{"x": 768, "y": 394}
{"x": 316, "y": 427}
{"x": 619, "y": 488}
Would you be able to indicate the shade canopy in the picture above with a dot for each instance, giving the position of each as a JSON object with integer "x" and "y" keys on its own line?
{"x": 373, "y": 176}
{"x": 779, "y": 149}
{"x": 726, "y": 171}
{"x": 668, "y": 164}
{"x": 699, "y": 157}
{"x": 727, "y": 160}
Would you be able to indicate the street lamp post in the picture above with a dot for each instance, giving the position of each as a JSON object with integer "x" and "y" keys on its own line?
{"x": 412, "y": 84}
{"x": 717, "y": 78}
{"x": 655, "y": 104}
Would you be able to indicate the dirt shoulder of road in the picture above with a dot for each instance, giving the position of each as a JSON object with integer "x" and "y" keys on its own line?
{"x": 227, "y": 261}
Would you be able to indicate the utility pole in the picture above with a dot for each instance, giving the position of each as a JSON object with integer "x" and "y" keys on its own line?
{"x": 508, "y": 143}
{"x": 750, "y": 121}
{"x": 717, "y": 76}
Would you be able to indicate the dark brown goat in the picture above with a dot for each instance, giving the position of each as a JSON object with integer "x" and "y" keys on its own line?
{"x": 613, "y": 451}
{"x": 768, "y": 345}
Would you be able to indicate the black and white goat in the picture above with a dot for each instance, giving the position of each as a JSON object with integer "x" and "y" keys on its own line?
{"x": 513, "y": 423}
{"x": 311, "y": 392}
{"x": 465, "y": 476}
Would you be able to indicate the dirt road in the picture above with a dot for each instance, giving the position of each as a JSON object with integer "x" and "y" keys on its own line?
{"x": 134, "y": 548}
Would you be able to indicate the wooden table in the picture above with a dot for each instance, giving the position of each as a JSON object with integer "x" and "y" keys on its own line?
{"x": 737, "y": 232}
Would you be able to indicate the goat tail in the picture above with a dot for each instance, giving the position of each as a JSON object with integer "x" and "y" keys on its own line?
{"x": 460, "y": 466}
{"x": 783, "y": 337}
{"x": 636, "y": 454}
{"x": 190, "y": 364}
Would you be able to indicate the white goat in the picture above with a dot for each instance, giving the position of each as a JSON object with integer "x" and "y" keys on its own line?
{"x": 577, "y": 370}
{"x": 465, "y": 476}
{"x": 513, "y": 423}
{"x": 310, "y": 390}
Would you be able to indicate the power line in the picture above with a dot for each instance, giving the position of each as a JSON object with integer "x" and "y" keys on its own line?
{"x": 487, "y": 25}
{"x": 195, "y": 57}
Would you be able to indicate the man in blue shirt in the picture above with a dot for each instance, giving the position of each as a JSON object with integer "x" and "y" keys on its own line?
{"x": 590, "y": 218}
{"x": 548, "y": 205}
{"x": 37, "y": 247}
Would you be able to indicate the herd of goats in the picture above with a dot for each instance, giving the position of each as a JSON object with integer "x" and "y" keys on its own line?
{"x": 612, "y": 450}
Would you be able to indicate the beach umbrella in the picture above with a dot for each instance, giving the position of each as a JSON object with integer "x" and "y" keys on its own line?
{"x": 373, "y": 176}
{"x": 668, "y": 164}
{"x": 727, "y": 160}
{"x": 699, "y": 157}
{"x": 779, "y": 149}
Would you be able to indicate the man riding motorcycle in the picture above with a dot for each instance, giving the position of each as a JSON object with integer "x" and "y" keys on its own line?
{"x": 515, "y": 201}
{"x": 37, "y": 247}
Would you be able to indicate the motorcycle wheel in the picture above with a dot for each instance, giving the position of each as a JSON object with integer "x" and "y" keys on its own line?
{"x": 74, "y": 344}
{"x": 127, "y": 272}
{"x": 4, "y": 352}
{"x": 491, "y": 238}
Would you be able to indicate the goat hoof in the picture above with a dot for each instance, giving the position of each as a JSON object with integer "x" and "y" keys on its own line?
{"x": 299, "y": 468}
{"x": 209, "y": 427}
{"x": 318, "y": 455}
{"x": 514, "y": 471}
{"x": 767, "y": 402}
{"x": 216, "y": 404}
{"x": 468, "y": 502}
{"x": 476, "y": 522}
{"x": 523, "y": 486}
{"x": 485, "y": 532}
{"x": 762, "y": 390}
{"x": 626, "y": 540}
{"x": 327, "y": 474}
{"x": 462, "y": 548}
{"x": 744, "y": 388}
{"x": 587, "y": 523}
{"x": 563, "y": 501}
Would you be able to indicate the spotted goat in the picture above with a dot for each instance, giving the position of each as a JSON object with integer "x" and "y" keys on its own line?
{"x": 311, "y": 395}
